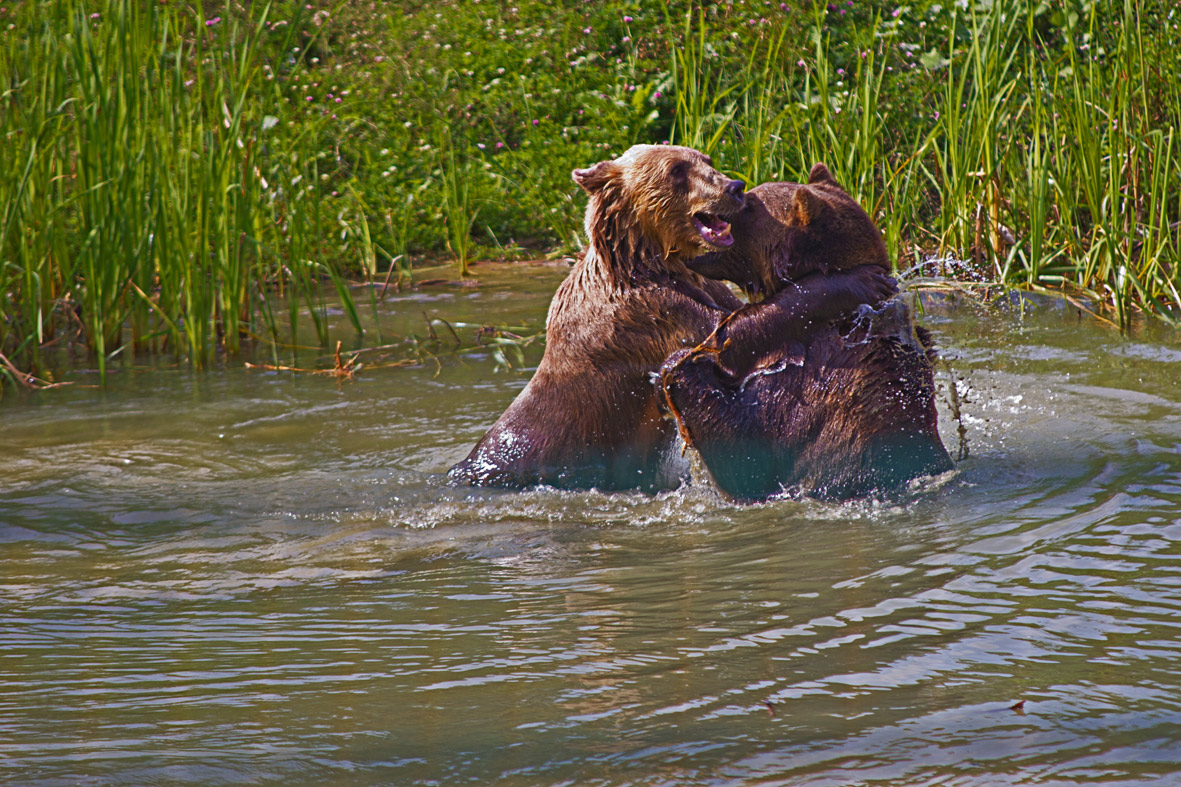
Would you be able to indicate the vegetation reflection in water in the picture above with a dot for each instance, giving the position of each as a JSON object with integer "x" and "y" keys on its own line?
{"x": 248, "y": 576}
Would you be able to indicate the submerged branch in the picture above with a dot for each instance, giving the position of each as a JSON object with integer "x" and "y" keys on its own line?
{"x": 26, "y": 379}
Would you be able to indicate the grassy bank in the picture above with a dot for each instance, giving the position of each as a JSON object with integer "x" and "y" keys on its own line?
{"x": 167, "y": 168}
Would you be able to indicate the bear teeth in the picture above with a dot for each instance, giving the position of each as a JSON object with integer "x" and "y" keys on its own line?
{"x": 713, "y": 230}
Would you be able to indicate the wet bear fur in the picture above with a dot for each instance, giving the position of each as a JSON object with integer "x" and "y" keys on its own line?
{"x": 590, "y": 416}
{"x": 845, "y": 409}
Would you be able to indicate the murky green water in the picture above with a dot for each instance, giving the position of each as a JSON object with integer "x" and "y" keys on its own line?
{"x": 252, "y": 577}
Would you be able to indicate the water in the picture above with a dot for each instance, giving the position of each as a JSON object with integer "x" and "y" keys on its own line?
{"x": 259, "y": 577}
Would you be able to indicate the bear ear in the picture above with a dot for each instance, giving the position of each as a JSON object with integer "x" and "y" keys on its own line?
{"x": 820, "y": 174}
{"x": 594, "y": 178}
{"x": 806, "y": 206}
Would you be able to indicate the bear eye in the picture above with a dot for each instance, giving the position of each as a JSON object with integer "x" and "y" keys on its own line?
{"x": 680, "y": 170}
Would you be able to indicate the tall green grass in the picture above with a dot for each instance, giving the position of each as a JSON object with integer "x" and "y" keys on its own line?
{"x": 152, "y": 193}
{"x": 178, "y": 179}
{"x": 1035, "y": 160}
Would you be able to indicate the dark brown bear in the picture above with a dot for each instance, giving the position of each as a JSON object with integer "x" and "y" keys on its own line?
{"x": 590, "y": 416}
{"x": 837, "y": 409}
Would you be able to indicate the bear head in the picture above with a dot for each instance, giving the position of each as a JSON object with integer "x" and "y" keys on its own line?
{"x": 787, "y": 230}
{"x": 663, "y": 200}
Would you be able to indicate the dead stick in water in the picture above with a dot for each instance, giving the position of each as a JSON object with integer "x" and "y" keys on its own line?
{"x": 27, "y": 380}
{"x": 386, "y": 285}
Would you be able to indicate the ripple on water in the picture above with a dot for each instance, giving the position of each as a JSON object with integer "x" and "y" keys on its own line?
{"x": 264, "y": 580}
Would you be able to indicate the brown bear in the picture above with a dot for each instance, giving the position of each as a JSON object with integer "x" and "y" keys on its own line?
{"x": 590, "y": 416}
{"x": 845, "y": 409}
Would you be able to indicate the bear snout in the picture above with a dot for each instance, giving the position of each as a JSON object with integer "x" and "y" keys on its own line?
{"x": 736, "y": 189}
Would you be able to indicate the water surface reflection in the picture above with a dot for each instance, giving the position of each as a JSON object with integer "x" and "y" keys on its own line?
{"x": 244, "y": 577}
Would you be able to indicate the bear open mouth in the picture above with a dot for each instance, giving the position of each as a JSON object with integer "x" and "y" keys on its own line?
{"x": 713, "y": 230}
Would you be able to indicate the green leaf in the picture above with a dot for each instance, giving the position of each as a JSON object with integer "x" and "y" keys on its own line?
{"x": 933, "y": 60}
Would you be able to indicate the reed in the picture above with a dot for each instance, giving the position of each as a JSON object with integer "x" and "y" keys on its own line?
{"x": 143, "y": 204}
{"x": 702, "y": 87}
{"x": 454, "y": 174}
{"x": 194, "y": 181}
{"x": 1030, "y": 162}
